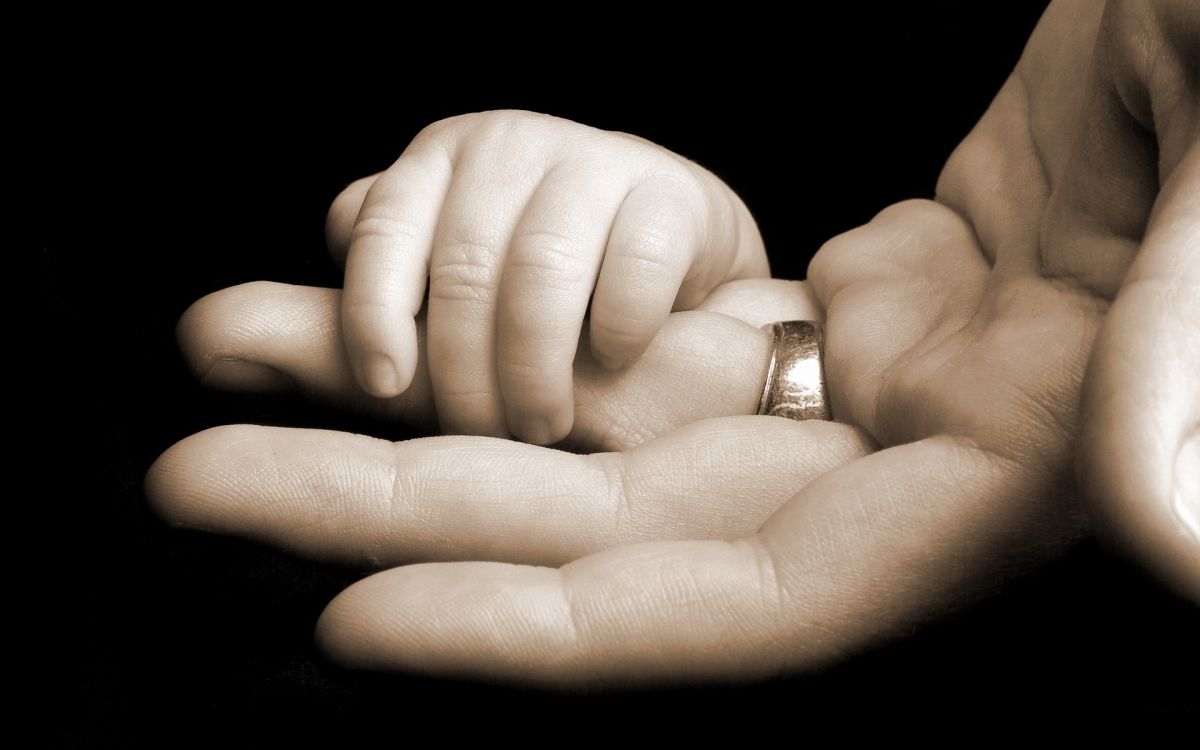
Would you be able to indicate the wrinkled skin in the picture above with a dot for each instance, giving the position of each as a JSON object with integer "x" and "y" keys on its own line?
{"x": 515, "y": 217}
{"x": 1032, "y": 327}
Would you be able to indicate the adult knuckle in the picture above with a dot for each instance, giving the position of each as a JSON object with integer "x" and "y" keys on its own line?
{"x": 441, "y": 132}
{"x": 897, "y": 237}
{"x": 208, "y": 330}
{"x": 834, "y": 255}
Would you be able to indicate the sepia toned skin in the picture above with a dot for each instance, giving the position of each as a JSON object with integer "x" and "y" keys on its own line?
{"x": 998, "y": 359}
{"x": 516, "y": 217}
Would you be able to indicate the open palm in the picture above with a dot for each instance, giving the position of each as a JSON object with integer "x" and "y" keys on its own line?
{"x": 958, "y": 336}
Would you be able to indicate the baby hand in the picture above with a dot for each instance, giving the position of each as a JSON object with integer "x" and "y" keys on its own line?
{"x": 515, "y": 217}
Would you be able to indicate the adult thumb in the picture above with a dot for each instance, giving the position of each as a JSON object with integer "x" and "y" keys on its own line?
{"x": 1139, "y": 458}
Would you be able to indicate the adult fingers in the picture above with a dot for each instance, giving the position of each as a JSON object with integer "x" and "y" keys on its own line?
{"x": 268, "y": 336}
{"x": 386, "y": 266}
{"x": 762, "y": 301}
{"x": 548, "y": 276}
{"x": 674, "y": 239}
{"x": 357, "y": 499}
{"x": 860, "y": 554}
{"x": 1140, "y": 451}
{"x": 914, "y": 270}
{"x": 1138, "y": 120}
{"x": 1121, "y": 223}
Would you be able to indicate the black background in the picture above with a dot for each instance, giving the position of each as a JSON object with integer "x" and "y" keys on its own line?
{"x": 170, "y": 170}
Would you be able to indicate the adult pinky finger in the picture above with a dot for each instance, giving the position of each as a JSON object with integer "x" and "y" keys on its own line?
{"x": 861, "y": 554}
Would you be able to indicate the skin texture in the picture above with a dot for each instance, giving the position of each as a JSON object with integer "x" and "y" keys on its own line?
{"x": 515, "y": 217}
{"x": 1030, "y": 332}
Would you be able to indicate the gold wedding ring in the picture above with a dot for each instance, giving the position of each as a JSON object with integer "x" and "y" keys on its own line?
{"x": 795, "y": 386}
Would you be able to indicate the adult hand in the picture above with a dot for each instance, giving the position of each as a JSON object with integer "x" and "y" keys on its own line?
{"x": 869, "y": 544}
{"x": 1126, "y": 219}
{"x": 958, "y": 334}
{"x": 267, "y": 337}
{"x": 1085, "y": 173}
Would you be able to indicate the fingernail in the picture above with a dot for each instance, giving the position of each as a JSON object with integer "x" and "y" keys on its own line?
{"x": 537, "y": 431}
{"x": 382, "y": 378}
{"x": 237, "y": 374}
{"x": 543, "y": 431}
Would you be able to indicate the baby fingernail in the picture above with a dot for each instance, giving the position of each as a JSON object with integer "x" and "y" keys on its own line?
{"x": 382, "y": 378}
{"x": 544, "y": 430}
{"x": 537, "y": 431}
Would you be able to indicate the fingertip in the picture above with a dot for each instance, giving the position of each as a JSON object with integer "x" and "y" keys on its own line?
{"x": 536, "y": 372}
{"x": 383, "y": 355}
{"x": 170, "y": 485}
{"x": 378, "y": 374}
{"x": 336, "y": 635}
{"x": 762, "y": 301}
{"x": 356, "y": 630}
{"x": 538, "y": 401}
{"x": 542, "y": 429}
{"x": 159, "y": 483}
{"x": 218, "y": 352}
{"x": 196, "y": 334}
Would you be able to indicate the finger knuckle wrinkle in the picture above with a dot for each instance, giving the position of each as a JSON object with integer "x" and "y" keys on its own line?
{"x": 648, "y": 245}
{"x": 523, "y": 372}
{"x": 386, "y": 227}
{"x": 619, "y": 494}
{"x": 210, "y": 329}
{"x": 464, "y": 280}
{"x": 771, "y": 584}
{"x": 549, "y": 254}
{"x": 370, "y": 308}
{"x": 619, "y": 328}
